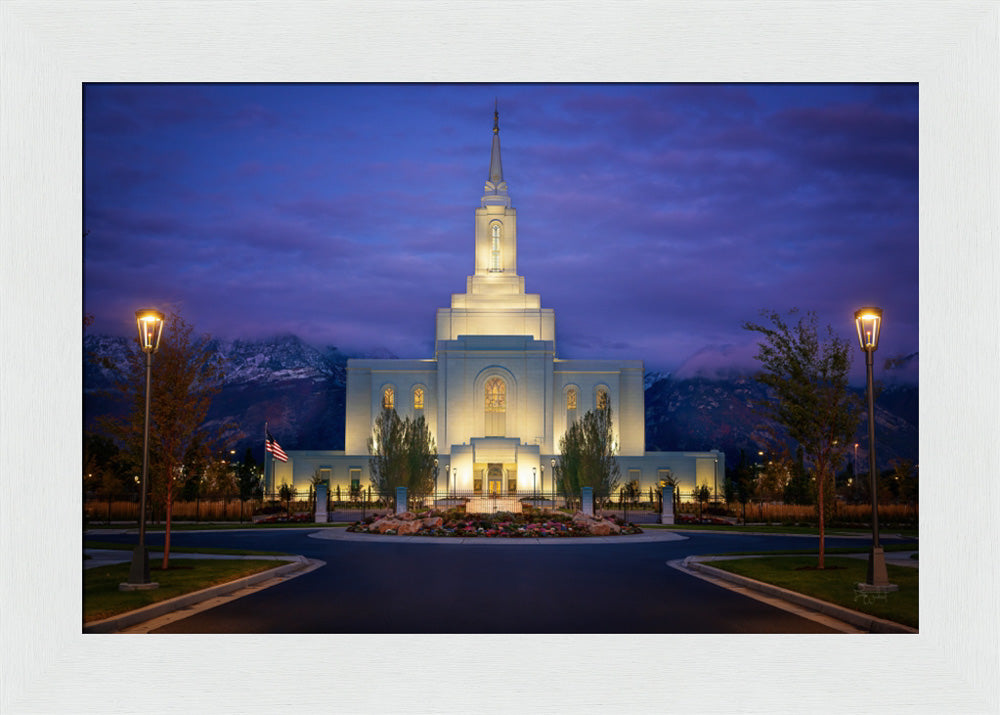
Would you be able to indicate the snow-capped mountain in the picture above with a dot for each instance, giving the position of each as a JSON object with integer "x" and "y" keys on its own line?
{"x": 299, "y": 390}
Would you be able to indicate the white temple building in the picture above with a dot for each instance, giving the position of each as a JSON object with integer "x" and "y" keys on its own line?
{"x": 496, "y": 397}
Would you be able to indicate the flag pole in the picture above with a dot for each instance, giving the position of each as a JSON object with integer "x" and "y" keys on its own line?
{"x": 267, "y": 462}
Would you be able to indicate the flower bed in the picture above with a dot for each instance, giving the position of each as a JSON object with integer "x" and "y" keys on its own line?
{"x": 502, "y": 525}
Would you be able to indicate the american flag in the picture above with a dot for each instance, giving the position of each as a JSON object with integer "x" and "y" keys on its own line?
{"x": 274, "y": 448}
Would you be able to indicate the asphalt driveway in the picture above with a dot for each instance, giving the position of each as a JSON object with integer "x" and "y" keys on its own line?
{"x": 392, "y": 587}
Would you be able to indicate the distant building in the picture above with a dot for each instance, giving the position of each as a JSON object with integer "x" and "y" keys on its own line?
{"x": 495, "y": 396}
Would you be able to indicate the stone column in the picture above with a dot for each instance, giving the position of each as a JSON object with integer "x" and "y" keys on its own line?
{"x": 400, "y": 500}
{"x": 587, "y": 497}
{"x": 667, "y": 515}
{"x": 321, "y": 515}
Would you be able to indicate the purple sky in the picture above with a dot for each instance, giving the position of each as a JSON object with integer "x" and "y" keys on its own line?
{"x": 654, "y": 219}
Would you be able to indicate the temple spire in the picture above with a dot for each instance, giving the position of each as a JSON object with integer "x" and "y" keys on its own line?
{"x": 496, "y": 168}
{"x": 496, "y": 187}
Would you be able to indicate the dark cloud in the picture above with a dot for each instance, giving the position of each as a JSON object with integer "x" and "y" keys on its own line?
{"x": 655, "y": 219}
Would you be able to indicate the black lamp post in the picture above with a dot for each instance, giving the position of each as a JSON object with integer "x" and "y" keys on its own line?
{"x": 150, "y": 323}
{"x": 869, "y": 322}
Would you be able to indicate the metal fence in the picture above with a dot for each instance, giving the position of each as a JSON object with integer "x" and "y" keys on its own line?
{"x": 346, "y": 506}
{"x": 485, "y": 502}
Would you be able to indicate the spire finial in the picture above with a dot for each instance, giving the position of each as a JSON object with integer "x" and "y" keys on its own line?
{"x": 496, "y": 187}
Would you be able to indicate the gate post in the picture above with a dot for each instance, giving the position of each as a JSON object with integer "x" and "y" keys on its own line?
{"x": 400, "y": 500}
{"x": 321, "y": 495}
{"x": 667, "y": 497}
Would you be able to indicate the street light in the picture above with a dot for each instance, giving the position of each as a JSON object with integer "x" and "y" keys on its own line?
{"x": 150, "y": 324}
{"x": 869, "y": 322}
{"x": 534, "y": 475}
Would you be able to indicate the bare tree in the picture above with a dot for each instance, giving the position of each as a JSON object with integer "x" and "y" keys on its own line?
{"x": 185, "y": 376}
{"x": 807, "y": 381}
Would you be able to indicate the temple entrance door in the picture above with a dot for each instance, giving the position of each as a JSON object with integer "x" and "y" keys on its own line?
{"x": 494, "y": 478}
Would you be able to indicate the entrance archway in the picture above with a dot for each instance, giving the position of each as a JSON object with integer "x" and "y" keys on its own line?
{"x": 494, "y": 479}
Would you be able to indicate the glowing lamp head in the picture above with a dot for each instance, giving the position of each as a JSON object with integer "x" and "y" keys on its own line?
{"x": 868, "y": 322}
{"x": 150, "y": 324}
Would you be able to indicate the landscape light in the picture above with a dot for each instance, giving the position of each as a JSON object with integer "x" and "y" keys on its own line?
{"x": 869, "y": 323}
{"x": 150, "y": 324}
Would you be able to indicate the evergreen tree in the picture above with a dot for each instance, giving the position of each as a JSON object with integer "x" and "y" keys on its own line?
{"x": 746, "y": 482}
{"x": 248, "y": 479}
{"x": 587, "y": 456}
{"x": 401, "y": 454}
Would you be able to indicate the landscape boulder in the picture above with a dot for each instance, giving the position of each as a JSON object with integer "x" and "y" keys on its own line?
{"x": 595, "y": 525}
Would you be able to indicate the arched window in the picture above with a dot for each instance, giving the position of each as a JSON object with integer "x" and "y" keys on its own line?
{"x": 571, "y": 396}
{"x": 496, "y": 407}
{"x": 602, "y": 399}
{"x": 418, "y": 398}
{"x": 388, "y": 399}
{"x": 495, "y": 230}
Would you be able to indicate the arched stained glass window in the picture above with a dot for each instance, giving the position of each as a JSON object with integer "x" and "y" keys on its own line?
{"x": 496, "y": 231}
{"x": 602, "y": 399}
{"x": 571, "y": 397}
{"x": 388, "y": 399}
{"x": 496, "y": 395}
{"x": 418, "y": 398}
{"x": 496, "y": 407}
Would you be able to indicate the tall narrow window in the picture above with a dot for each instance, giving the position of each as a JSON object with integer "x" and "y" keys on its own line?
{"x": 495, "y": 230}
{"x": 388, "y": 401}
{"x": 602, "y": 399}
{"x": 571, "y": 395}
{"x": 496, "y": 407}
{"x": 418, "y": 398}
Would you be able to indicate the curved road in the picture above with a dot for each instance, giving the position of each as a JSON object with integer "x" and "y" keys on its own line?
{"x": 380, "y": 587}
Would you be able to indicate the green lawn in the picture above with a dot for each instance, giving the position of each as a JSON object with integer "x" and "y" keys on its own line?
{"x": 836, "y": 583}
{"x": 92, "y": 544}
{"x": 779, "y": 529}
{"x": 102, "y": 599}
{"x": 862, "y": 548}
{"x": 209, "y": 526}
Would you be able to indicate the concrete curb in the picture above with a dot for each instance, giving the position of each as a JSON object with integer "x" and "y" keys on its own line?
{"x": 140, "y": 615}
{"x": 341, "y": 534}
{"x": 863, "y": 621}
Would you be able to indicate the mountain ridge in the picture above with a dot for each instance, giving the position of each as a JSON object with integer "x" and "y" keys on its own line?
{"x": 300, "y": 391}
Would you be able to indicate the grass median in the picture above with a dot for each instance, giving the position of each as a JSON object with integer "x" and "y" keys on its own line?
{"x": 887, "y": 531}
{"x": 837, "y": 583}
{"x": 102, "y": 599}
{"x": 118, "y": 546}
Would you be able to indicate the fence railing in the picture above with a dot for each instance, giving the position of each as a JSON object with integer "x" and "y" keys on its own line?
{"x": 359, "y": 505}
